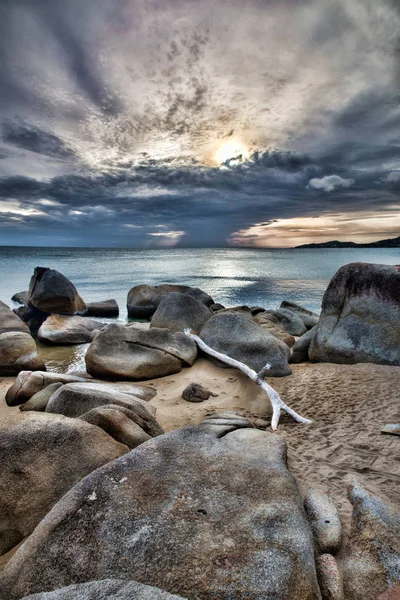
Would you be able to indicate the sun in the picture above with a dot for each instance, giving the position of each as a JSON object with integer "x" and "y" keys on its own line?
{"x": 231, "y": 150}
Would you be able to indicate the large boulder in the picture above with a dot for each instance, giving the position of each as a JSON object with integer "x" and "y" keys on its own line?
{"x": 50, "y": 291}
{"x": 178, "y": 312}
{"x": 28, "y": 383}
{"x": 207, "y": 511}
{"x": 371, "y": 564}
{"x": 309, "y": 318}
{"x": 237, "y": 336}
{"x": 9, "y": 321}
{"x": 117, "y": 589}
{"x": 360, "y": 318}
{"x": 41, "y": 457}
{"x": 104, "y": 308}
{"x": 18, "y": 352}
{"x": 127, "y": 352}
{"x": 143, "y": 299}
{"x": 67, "y": 330}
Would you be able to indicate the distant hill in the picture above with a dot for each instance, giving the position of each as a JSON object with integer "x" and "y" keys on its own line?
{"x": 392, "y": 243}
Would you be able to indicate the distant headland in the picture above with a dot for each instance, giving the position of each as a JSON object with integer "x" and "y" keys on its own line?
{"x": 392, "y": 243}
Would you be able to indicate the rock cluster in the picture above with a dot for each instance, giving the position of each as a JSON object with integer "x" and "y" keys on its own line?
{"x": 144, "y": 299}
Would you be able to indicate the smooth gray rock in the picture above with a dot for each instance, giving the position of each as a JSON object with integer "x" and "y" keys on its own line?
{"x": 287, "y": 320}
{"x": 41, "y": 457}
{"x": 20, "y": 297}
{"x": 68, "y": 330}
{"x": 9, "y": 321}
{"x": 309, "y": 318}
{"x": 271, "y": 326}
{"x": 301, "y": 347}
{"x": 240, "y": 338}
{"x": 127, "y": 352}
{"x": 325, "y": 522}
{"x": 104, "y": 308}
{"x": 115, "y": 589}
{"x": 28, "y": 383}
{"x": 371, "y": 562}
{"x": 40, "y": 400}
{"x": 18, "y": 352}
{"x": 50, "y": 291}
{"x": 144, "y": 299}
{"x": 208, "y": 511}
{"x": 360, "y": 318}
{"x": 178, "y": 312}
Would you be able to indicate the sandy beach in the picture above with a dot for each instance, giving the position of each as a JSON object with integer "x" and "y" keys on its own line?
{"x": 348, "y": 405}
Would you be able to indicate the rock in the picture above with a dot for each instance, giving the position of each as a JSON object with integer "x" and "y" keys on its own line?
{"x": 273, "y": 328}
{"x": 76, "y": 399}
{"x": 127, "y": 352}
{"x": 143, "y": 299}
{"x": 40, "y": 400}
{"x": 261, "y": 424}
{"x": 32, "y": 317}
{"x": 20, "y": 297}
{"x": 309, "y": 318}
{"x": 28, "y": 383}
{"x": 301, "y": 347}
{"x": 178, "y": 312}
{"x": 117, "y": 589}
{"x": 360, "y": 318}
{"x": 9, "y": 321}
{"x": 42, "y": 457}
{"x": 207, "y": 511}
{"x": 65, "y": 330}
{"x": 18, "y": 352}
{"x": 105, "y": 309}
{"x": 372, "y": 554}
{"x": 120, "y": 423}
{"x": 287, "y": 320}
{"x": 329, "y": 578}
{"x": 195, "y": 392}
{"x": 50, "y": 291}
{"x": 391, "y": 429}
{"x": 239, "y": 337}
{"x": 325, "y": 522}
{"x": 216, "y": 307}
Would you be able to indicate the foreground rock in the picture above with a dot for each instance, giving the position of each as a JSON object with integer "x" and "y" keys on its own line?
{"x": 309, "y": 318}
{"x": 302, "y": 347}
{"x": 18, "y": 352}
{"x": 195, "y": 392}
{"x": 239, "y": 337}
{"x": 65, "y": 330}
{"x": 40, "y": 400}
{"x": 324, "y": 520}
{"x": 360, "y": 318}
{"x": 117, "y": 589}
{"x": 42, "y": 457}
{"x": 104, "y": 308}
{"x": 50, "y": 291}
{"x": 126, "y": 352}
{"x": 372, "y": 554}
{"x": 178, "y": 312}
{"x": 329, "y": 578}
{"x": 144, "y": 299}
{"x": 175, "y": 514}
{"x": 9, "y": 321}
{"x": 28, "y": 383}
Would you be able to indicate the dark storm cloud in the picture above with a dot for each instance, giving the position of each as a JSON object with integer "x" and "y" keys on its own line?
{"x": 113, "y": 116}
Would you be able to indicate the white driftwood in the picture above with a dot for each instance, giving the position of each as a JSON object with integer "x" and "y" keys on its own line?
{"x": 276, "y": 402}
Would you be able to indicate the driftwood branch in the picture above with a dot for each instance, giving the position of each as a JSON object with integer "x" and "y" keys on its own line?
{"x": 276, "y": 402}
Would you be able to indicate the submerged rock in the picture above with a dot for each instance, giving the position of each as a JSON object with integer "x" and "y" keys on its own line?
{"x": 126, "y": 352}
{"x": 237, "y": 336}
{"x": 42, "y": 457}
{"x": 66, "y": 330}
{"x": 195, "y": 392}
{"x": 208, "y": 511}
{"x": 371, "y": 564}
{"x": 178, "y": 312}
{"x": 50, "y": 291}
{"x": 18, "y": 352}
{"x": 104, "y": 308}
{"x": 117, "y": 589}
{"x": 360, "y": 319}
{"x": 144, "y": 299}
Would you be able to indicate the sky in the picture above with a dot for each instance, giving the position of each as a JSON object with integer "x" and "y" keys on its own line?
{"x": 199, "y": 123}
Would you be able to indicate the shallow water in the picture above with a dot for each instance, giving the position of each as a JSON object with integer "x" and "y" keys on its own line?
{"x": 232, "y": 276}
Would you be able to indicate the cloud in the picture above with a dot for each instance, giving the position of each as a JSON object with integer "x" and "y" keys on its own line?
{"x": 329, "y": 183}
{"x": 393, "y": 177}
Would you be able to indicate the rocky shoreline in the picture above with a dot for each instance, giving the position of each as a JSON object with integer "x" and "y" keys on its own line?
{"x": 200, "y": 500}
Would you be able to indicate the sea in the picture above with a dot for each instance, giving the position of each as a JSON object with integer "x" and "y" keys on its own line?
{"x": 232, "y": 276}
